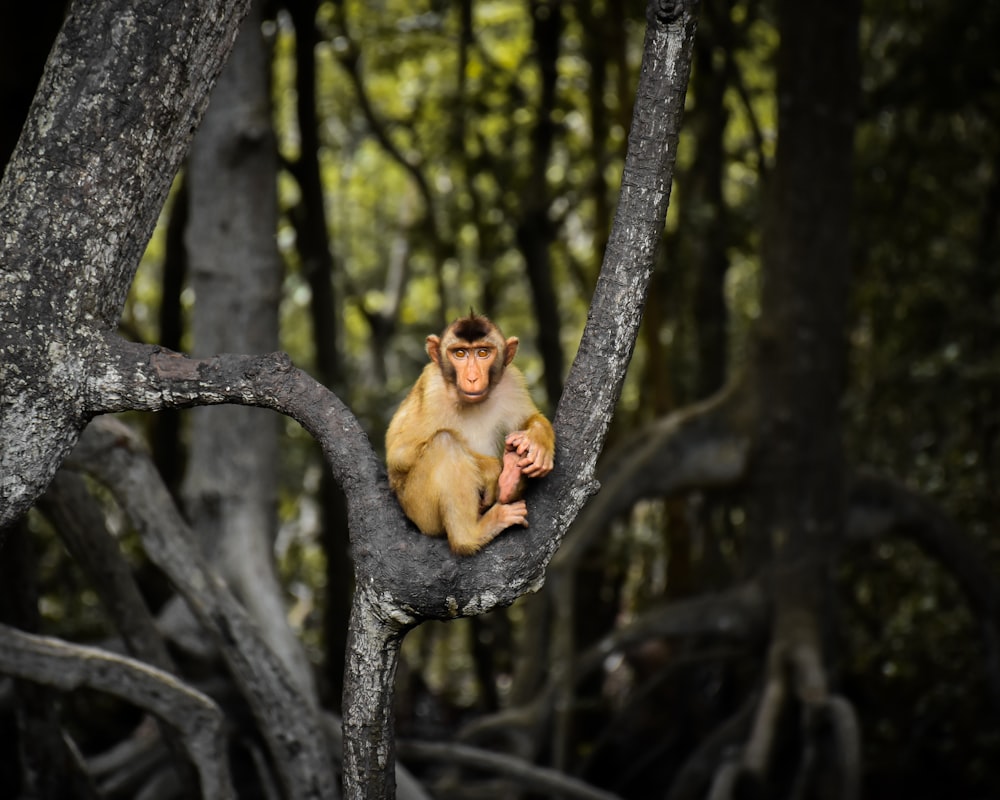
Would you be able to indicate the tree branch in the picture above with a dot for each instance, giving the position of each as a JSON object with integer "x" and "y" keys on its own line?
{"x": 199, "y": 721}
{"x": 594, "y": 382}
{"x": 80, "y": 524}
{"x": 414, "y": 572}
{"x": 534, "y": 779}
{"x": 140, "y": 377}
{"x": 703, "y": 445}
{"x": 738, "y": 615}
{"x": 290, "y": 724}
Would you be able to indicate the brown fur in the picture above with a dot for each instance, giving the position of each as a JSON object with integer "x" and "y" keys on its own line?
{"x": 467, "y": 435}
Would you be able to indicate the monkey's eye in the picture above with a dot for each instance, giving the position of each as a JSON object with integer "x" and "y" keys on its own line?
{"x": 460, "y": 353}
{"x": 482, "y": 352}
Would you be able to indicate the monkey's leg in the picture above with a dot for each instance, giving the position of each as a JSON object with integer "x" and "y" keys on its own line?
{"x": 462, "y": 479}
{"x": 444, "y": 491}
{"x": 425, "y": 491}
{"x": 467, "y": 535}
{"x": 489, "y": 469}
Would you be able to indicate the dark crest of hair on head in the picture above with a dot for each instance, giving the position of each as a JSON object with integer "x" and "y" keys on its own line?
{"x": 472, "y": 328}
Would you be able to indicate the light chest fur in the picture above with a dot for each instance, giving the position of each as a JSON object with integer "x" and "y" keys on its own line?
{"x": 486, "y": 424}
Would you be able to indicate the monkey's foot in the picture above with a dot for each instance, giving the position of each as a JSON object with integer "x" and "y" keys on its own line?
{"x": 510, "y": 478}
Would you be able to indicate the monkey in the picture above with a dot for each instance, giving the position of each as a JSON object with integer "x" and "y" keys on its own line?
{"x": 465, "y": 438}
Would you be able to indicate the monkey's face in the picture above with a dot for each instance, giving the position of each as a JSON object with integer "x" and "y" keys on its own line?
{"x": 472, "y": 355}
{"x": 474, "y": 369}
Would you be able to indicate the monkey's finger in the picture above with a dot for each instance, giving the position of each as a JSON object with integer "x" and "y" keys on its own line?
{"x": 517, "y": 514}
{"x": 519, "y": 447}
{"x": 539, "y": 458}
{"x": 539, "y": 468}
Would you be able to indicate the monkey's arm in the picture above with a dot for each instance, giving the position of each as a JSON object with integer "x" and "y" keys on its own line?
{"x": 536, "y": 445}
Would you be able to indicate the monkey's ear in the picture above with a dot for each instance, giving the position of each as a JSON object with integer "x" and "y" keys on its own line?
{"x": 434, "y": 348}
{"x": 510, "y": 350}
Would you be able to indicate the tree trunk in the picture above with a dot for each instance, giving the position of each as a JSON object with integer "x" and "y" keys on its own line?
{"x": 797, "y": 493}
{"x": 317, "y": 264}
{"x": 80, "y": 198}
{"x": 230, "y": 489}
{"x": 369, "y": 731}
{"x": 535, "y": 231}
{"x": 799, "y": 362}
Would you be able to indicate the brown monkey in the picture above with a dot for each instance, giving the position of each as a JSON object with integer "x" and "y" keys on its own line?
{"x": 466, "y": 436}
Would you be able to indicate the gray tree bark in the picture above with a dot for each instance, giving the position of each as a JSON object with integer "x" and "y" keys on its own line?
{"x": 124, "y": 89}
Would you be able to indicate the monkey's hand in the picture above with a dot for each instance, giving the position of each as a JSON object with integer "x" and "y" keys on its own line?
{"x": 536, "y": 460}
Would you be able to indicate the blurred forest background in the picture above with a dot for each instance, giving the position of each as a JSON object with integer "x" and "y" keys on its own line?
{"x": 435, "y": 155}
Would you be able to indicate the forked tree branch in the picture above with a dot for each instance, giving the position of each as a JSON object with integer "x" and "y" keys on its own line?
{"x": 402, "y": 576}
{"x": 60, "y": 365}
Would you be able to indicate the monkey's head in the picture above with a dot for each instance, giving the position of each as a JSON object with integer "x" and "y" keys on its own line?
{"x": 472, "y": 355}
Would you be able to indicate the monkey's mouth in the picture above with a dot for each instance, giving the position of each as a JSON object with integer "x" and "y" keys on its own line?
{"x": 474, "y": 397}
